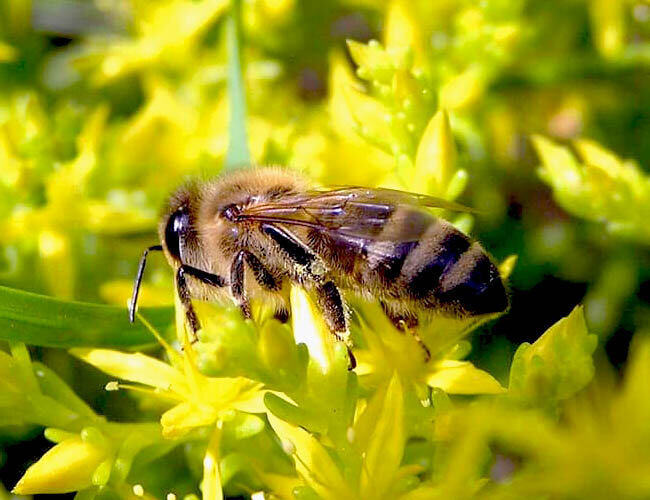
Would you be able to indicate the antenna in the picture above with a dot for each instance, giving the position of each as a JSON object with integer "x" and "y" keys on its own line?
{"x": 138, "y": 281}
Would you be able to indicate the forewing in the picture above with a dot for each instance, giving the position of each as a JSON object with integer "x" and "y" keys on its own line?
{"x": 353, "y": 217}
{"x": 395, "y": 197}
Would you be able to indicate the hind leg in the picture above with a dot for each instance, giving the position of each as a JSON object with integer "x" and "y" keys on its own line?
{"x": 406, "y": 321}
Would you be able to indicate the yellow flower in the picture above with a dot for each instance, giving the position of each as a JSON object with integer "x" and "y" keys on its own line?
{"x": 151, "y": 43}
{"x": 68, "y": 466}
{"x": 7, "y": 52}
{"x": 388, "y": 350}
{"x": 608, "y": 25}
{"x": 368, "y": 467}
{"x": 310, "y": 329}
{"x": 197, "y": 400}
{"x": 463, "y": 89}
{"x": 436, "y": 156}
{"x": 602, "y": 187}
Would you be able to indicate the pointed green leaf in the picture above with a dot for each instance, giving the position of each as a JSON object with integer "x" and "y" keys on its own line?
{"x": 49, "y": 322}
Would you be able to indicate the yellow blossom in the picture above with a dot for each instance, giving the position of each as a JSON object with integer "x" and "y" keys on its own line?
{"x": 403, "y": 30}
{"x": 372, "y": 464}
{"x": 436, "y": 156}
{"x": 602, "y": 187}
{"x": 309, "y": 328}
{"x": 197, "y": 400}
{"x": 68, "y": 466}
{"x": 7, "y": 52}
{"x": 386, "y": 350}
{"x": 463, "y": 89}
{"x": 151, "y": 43}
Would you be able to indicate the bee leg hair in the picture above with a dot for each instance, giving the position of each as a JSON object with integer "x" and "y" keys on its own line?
{"x": 237, "y": 284}
{"x": 333, "y": 309}
{"x": 408, "y": 323}
{"x": 262, "y": 275}
{"x": 267, "y": 281}
{"x": 282, "y": 315}
{"x": 204, "y": 276}
{"x": 296, "y": 250}
{"x": 184, "y": 295}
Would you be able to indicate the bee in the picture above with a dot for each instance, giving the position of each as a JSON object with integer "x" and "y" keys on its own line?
{"x": 251, "y": 233}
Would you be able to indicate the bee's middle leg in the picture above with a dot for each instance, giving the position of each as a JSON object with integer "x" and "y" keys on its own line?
{"x": 333, "y": 308}
{"x": 267, "y": 281}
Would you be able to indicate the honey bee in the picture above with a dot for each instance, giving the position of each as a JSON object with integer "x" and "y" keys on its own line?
{"x": 251, "y": 233}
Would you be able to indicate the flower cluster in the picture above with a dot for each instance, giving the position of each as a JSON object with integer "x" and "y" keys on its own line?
{"x": 601, "y": 187}
{"x": 103, "y": 112}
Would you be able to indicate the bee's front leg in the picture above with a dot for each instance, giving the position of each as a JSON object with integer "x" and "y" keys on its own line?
{"x": 184, "y": 293}
{"x": 186, "y": 300}
{"x": 237, "y": 284}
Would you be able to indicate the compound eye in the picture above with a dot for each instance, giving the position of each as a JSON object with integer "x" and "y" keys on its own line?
{"x": 177, "y": 226}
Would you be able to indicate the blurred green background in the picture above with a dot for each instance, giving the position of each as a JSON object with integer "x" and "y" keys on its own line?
{"x": 106, "y": 106}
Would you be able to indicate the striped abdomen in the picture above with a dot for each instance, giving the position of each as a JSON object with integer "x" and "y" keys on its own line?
{"x": 425, "y": 260}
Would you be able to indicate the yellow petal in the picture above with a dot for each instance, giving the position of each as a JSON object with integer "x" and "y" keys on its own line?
{"x": 507, "y": 266}
{"x": 87, "y": 144}
{"x": 403, "y": 30}
{"x": 211, "y": 476}
{"x": 462, "y": 377}
{"x": 251, "y": 401}
{"x": 184, "y": 417}
{"x": 309, "y": 328}
{"x": 632, "y": 408}
{"x": 608, "y": 24}
{"x": 282, "y": 486}
{"x": 68, "y": 466}
{"x": 313, "y": 461}
{"x": 559, "y": 162}
{"x": 595, "y": 155}
{"x": 134, "y": 367}
{"x": 7, "y": 52}
{"x": 341, "y": 78}
{"x": 373, "y": 61}
{"x": 372, "y": 118}
{"x": 436, "y": 155}
{"x": 59, "y": 267}
{"x": 462, "y": 90}
{"x": 386, "y": 446}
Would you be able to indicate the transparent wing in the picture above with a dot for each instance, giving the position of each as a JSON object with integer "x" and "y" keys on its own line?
{"x": 353, "y": 217}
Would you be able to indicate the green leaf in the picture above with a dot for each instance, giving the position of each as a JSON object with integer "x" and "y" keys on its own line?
{"x": 557, "y": 365}
{"x": 53, "y": 386}
{"x": 45, "y": 321}
{"x": 238, "y": 153}
{"x": 291, "y": 413}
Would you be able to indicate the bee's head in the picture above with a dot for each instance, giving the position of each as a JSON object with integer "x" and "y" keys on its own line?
{"x": 177, "y": 227}
{"x": 176, "y": 235}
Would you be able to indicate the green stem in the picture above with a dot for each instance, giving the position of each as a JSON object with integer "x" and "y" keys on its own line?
{"x": 238, "y": 153}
